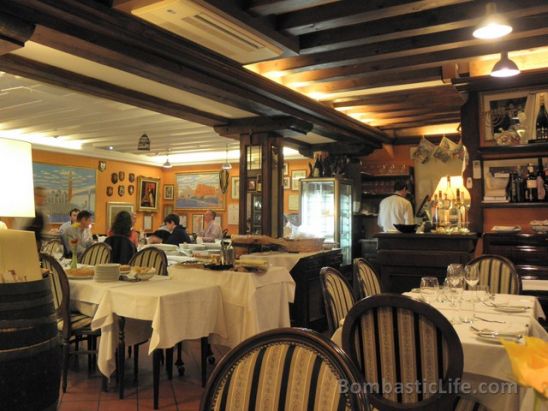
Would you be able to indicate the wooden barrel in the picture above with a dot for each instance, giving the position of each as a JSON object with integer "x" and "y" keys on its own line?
{"x": 30, "y": 350}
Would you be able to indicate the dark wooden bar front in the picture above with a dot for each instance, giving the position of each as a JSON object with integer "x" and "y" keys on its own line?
{"x": 405, "y": 258}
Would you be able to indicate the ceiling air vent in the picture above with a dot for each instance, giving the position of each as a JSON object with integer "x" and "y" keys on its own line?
{"x": 211, "y": 30}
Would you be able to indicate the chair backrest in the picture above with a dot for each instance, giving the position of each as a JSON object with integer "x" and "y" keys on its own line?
{"x": 337, "y": 296}
{"x": 366, "y": 280}
{"x": 151, "y": 257}
{"x": 60, "y": 290}
{"x": 399, "y": 342}
{"x": 284, "y": 369}
{"x": 98, "y": 253}
{"x": 52, "y": 246}
{"x": 498, "y": 273}
{"x": 122, "y": 249}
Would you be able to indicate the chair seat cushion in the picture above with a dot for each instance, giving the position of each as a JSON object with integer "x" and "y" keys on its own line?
{"x": 78, "y": 321}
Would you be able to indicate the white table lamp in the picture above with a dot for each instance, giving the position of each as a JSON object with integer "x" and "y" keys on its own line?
{"x": 17, "y": 197}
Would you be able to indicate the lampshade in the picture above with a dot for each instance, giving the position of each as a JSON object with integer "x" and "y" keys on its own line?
{"x": 505, "y": 67}
{"x": 17, "y": 198}
{"x": 450, "y": 186}
{"x": 494, "y": 26}
{"x": 144, "y": 143}
{"x": 167, "y": 164}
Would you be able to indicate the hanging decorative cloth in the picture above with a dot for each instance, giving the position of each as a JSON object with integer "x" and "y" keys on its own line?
{"x": 424, "y": 150}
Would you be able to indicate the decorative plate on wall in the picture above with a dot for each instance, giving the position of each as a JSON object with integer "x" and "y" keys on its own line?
{"x": 102, "y": 166}
{"x": 131, "y": 177}
{"x": 121, "y": 175}
{"x": 110, "y": 190}
{"x": 121, "y": 191}
{"x": 130, "y": 189}
{"x": 114, "y": 178}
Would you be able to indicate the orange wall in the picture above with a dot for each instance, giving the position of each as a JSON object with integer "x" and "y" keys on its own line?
{"x": 103, "y": 180}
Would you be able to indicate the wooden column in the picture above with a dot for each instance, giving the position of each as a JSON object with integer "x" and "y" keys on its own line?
{"x": 261, "y": 184}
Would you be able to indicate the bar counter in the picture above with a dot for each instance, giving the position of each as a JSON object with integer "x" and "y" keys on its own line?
{"x": 405, "y": 258}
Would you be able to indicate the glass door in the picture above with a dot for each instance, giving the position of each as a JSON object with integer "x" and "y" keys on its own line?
{"x": 345, "y": 222}
{"x": 318, "y": 208}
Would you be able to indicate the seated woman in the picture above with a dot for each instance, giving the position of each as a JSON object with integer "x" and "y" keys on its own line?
{"x": 122, "y": 225}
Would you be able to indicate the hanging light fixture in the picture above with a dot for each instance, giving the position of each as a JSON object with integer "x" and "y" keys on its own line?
{"x": 494, "y": 26}
{"x": 505, "y": 67}
{"x": 225, "y": 173}
{"x": 226, "y": 165}
{"x": 144, "y": 143}
{"x": 167, "y": 164}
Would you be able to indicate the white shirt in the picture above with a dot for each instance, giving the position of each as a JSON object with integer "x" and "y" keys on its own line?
{"x": 395, "y": 210}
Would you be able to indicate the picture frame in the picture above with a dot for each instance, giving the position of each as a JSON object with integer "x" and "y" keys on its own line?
{"x": 286, "y": 169}
{"x": 102, "y": 165}
{"x": 287, "y": 183}
{"x": 121, "y": 175}
{"x": 183, "y": 220}
{"x": 147, "y": 222}
{"x": 131, "y": 177}
{"x": 219, "y": 221}
{"x": 121, "y": 191}
{"x": 235, "y": 193}
{"x": 169, "y": 190}
{"x": 297, "y": 175}
{"x": 114, "y": 207}
{"x": 147, "y": 194}
{"x": 130, "y": 189}
{"x": 198, "y": 191}
{"x": 251, "y": 184}
{"x": 197, "y": 223}
{"x": 168, "y": 209}
{"x": 110, "y": 191}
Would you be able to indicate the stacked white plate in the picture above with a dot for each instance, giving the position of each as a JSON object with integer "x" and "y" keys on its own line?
{"x": 107, "y": 272}
{"x": 169, "y": 249}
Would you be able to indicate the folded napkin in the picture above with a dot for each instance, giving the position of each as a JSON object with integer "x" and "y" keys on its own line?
{"x": 513, "y": 328}
{"x": 506, "y": 228}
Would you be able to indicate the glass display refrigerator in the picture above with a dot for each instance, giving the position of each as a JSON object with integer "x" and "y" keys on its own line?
{"x": 326, "y": 211}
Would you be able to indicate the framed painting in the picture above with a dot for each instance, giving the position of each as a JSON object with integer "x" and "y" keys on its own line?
{"x": 168, "y": 191}
{"x": 197, "y": 223}
{"x": 65, "y": 188}
{"x": 183, "y": 221}
{"x": 297, "y": 175}
{"x": 113, "y": 208}
{"x": 147, "y": 222}
{"x": 286, "y": 169}
{"x": 147, "y": 194}
{"x": 287, "y": 183}
{"x": 168, "y": 209}
{"x": 198, "y": 191}
{"x": 235, "y": 188}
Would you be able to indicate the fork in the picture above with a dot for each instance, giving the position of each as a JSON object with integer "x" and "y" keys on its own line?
{"x": 488, "y": 320}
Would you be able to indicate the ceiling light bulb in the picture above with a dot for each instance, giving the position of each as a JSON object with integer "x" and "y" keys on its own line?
{"x": 494, "y": 26}
{"x": 505, "y": 67}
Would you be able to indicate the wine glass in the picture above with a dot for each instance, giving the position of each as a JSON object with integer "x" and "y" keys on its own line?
{"x": 57, "y": 253}
{"x": 429, "y": 288}
{"x": 455, "y": 273}
{"x": 471, "y": 275}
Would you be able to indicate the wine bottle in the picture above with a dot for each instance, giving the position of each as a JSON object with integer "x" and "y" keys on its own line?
{"x": 531, "y": 191}
{"x": 317, "y": 169}
{"x": 541, "y": 193}
{"x": 520, "y": 190}
{"x": 542, "y": 121}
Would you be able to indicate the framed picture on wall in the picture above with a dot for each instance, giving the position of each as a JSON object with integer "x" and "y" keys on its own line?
{"x": 296, "y": 175}
{"x": 199, "y": 191}
{"x": 168, "y": 209}
{"x": 286, "y": 169}
{"x": 197, "y": 223}
{"x": 287, "y": 183}
{"x": 183, "y": 220}
{"x": 147, "y": 222}
{"x": 147, "y": 194}
{"x": 113, "y": 208}
{"x": 235, "y": 188}
{"x": 169, "y": 190}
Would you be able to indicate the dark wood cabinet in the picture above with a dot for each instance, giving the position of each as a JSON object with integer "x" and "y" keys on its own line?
{"x": 405, "y": 258}
{"x": 308, "y": 309}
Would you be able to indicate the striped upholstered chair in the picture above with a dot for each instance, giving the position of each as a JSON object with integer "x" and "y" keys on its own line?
{"x": 53, "y": 247}
{"x": 98, "y": 253}
{"x": 151, "y": 257}
{"x": 284, "y": 369}
{"x": 366, "y": 280}
{"x": 73, "y": 326}
{"x": 498, "y": 273}
{"x": 396, "y": 341}
{"x": 337, "y": 296}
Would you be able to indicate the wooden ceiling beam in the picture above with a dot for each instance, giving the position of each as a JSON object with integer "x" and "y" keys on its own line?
{"x": 447, "y": 18}
{"x": 14, "y": 32}
{"x": 416, "y": 111}
{"x": 446, "y": 43}
{"x": 429, "y": 122}
{"x": 349, "y": 12}
{"x": 401, "y": 97}
{"x": 281, "y": 125}
{"x": 434, "y": 115}
{"x": 269, "y": 7}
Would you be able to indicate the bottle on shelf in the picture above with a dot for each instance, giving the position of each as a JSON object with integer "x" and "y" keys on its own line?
{"x": 541, "y": 192}
{"x": 520, "y": 187}
{"x": 434, "y": 210}
{"x": 542, "y": 121}
{"x": 453, "y": 214}
{"x": 317, "y": 170}
{"x": 531, "y": 192}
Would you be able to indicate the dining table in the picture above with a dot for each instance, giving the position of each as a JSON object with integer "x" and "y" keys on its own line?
{"x": 485, "y": 359}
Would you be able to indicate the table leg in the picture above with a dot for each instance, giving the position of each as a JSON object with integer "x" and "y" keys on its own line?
{"x": 204, "y": 345}
{"x": 156, "y": 375}
{"x": 121, "y": 355}
{"x": 179, "y": 363}
{"x": 169, "y": 363}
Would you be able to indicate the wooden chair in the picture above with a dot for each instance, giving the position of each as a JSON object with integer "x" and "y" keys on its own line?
{"x": 366, "y": 280}
{"x": 122, "y": 249}
{"x": 98, "y": 253}
{"x": 70, "y": 325}
{"x": 151, "y": 257}
{"x": 396, "y": 341}
{"x": 284, "y": 369}
{"x": 53, "y": 246}
{"x": 498, "y": 273}
{"x": 337, "y": 296}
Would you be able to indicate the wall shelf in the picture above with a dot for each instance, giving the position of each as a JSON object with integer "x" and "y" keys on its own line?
{"x": 534, "y": 149}
{"x": 515, "y": 205}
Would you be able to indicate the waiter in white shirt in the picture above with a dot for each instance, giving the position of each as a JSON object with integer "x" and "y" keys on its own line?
{"x": 211, "y": 231}
{"x": 396, "y": 209}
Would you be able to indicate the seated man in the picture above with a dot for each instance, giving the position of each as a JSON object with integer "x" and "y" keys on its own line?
{"x": 73, "y": 214}
{"x": 178, "y": 233}
{"x": 159, "y": 236}
{"x": 79, "y": 234}
{"x": 211, "y": 230}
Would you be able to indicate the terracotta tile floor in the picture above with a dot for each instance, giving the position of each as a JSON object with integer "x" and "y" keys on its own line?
{"x": 84, "y": 391}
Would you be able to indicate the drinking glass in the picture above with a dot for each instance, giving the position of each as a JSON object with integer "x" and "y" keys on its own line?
{"x": 455, "y": 273}
{"x": 429, "y": 289}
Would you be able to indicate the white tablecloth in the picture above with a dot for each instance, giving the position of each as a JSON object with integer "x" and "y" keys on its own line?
{"x": 281, "y": 259}
{"x": 252, "y": 302}
{"x": 174, "y": 310}
{"x": 534, "y": 285}
{"x": 486, "y": 361}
